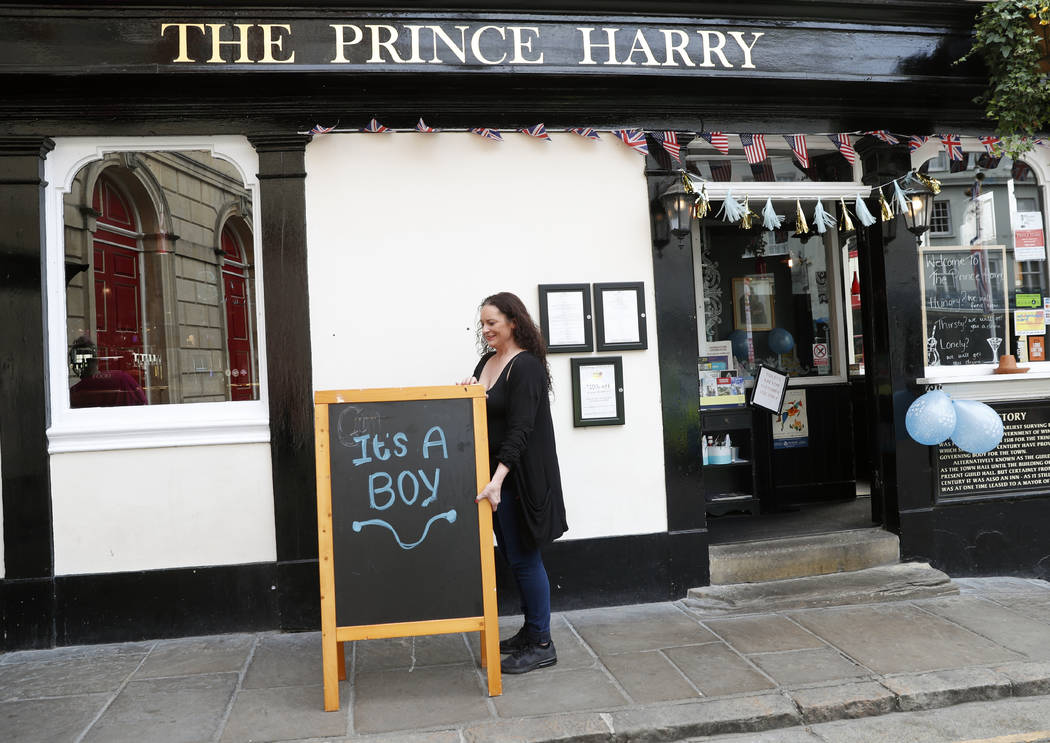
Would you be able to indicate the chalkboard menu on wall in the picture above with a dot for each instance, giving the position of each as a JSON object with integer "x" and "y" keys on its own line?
{"x": 404, "y": 548}
{"x": 1020, "y": 463}
{"x": 964, "y": 304}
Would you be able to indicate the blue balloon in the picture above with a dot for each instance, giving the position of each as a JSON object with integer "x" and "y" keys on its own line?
{"x": 931, "y": 418}
{"x": 739, "y": 339}
{"x": 978, "y": 428}
{"x": 780, "y": 341}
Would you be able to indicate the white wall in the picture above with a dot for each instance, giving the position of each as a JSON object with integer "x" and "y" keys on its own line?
{"x": 146, "y": 509}
{"x": 408, "y": 232}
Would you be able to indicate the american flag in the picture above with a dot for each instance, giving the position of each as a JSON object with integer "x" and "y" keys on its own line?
{"x": 884, "y": 135}
{"x": 669, "y": 141}
{"x": 375, "y": 127}
{"x": 797, "y": 143}
{"x": 633, "y": 138}
{"x": 990, "y": 144}
{"x": 952, "y": 145}
{"x": 916, "y": 142}
{"x": 318, "y": 129}
{"x": 422, "y": 127}
{"x": 718, "y": 140}
{"x": 763, "y": 172}
{"x": 585, "y": 131}
{"x": 492, "y": 134}
{"x": 842, "y": 142}
{"x": 539, "y": 132}
{"x": 721, "y": 170}
{"x": 754, "y": 147}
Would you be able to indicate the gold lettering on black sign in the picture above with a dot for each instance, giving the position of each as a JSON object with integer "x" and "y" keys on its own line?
{"x": 1020, "y": 462}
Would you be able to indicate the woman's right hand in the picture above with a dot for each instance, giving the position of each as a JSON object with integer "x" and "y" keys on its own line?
{"x": 470, "y": 380}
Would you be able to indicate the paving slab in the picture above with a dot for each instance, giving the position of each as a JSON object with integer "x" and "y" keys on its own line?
{"x": 1033, "y": 607}
{"x": 436, "y": 736}
{"x": 999, "y": 624}
{"x": 287, "y": 712}
{"x": 945, "y": 688}
{"x": 197, "y": 655}
{"x": 716, "y": 670}
{"x": 1027, "y": 678}
{"x": 386, "y": 701}
{"x": 60, "y": 720}
{"x": 763, "y": 634}
{"x": 551, "y": 690}
{"x": 807, "y": 666}
{"x": 715, "y": 717}
{"x": 52, "y": 655}
{"x": 650, "y": 677}
{"x": 74, "y": 676}
{"x": 188, "y": 709}
{"x": 380, "y": 655}
{"x": 788, "y": 735}
{"x": 292, "y": 659}
{"x": 629, "y": 629}
{"x": 919, "y": 640}
{"x": 578, "y": 728}
{"x": 843, "y": 701}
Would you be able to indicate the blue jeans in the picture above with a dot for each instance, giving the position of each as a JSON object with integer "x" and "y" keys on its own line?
{"x": 527, "y": 566}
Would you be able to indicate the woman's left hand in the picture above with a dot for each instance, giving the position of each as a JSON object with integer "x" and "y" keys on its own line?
{"x": 491, "y": 493}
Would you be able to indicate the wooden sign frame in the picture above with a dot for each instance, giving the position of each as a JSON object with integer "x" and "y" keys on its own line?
{"x": 333, "y": 637}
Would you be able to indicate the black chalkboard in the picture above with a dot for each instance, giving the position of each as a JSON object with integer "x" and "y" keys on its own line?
{"x": 965, "y": 307}
{"x": 404, "y": 519}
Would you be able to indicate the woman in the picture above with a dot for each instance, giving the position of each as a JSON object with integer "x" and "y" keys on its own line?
{"x": 525, "y": 489}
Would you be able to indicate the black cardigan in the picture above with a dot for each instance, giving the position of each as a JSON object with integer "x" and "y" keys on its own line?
{"x": 521, "y": 436}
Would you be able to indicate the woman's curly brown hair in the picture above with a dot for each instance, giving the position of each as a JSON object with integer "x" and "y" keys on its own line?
{"x": 526, "y": 333}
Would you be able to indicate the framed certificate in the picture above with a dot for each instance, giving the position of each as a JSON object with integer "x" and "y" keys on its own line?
{"x": 565, "y": 317}
{"x": 770, "y": 388}
{"x": 597, "y": 391}
{"x": 619, "y": 311}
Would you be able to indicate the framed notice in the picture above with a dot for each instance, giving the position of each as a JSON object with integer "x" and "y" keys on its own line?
{"x": 770, "y": 388}
{"x": 619, "y": 310}
{"x": 753, "y": 303}
{"x": 565, "y": 317}
{"x": 597, "y": 391}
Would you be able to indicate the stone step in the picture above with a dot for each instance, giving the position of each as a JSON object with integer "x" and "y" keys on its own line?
{"x": 797, "y": 557}
{"x": 900, "y": 582}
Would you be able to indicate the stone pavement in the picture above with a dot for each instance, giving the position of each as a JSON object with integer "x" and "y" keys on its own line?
{"x": 630, "y": 673}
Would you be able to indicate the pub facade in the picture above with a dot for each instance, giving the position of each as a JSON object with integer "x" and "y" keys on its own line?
{"x": 213, "y": 213}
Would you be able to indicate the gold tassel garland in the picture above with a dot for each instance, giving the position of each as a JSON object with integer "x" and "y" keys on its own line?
{"x": 702, "y": 206}
{"x": 932, "y": 184}
{"x": 745, "y": 221}
{"x": 801, "y": 227}
{"x": 885, "y": 213}
{"x": 845, "y": 223}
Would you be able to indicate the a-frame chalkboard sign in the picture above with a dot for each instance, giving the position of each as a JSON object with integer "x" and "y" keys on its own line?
{"x": 404, "y": 548}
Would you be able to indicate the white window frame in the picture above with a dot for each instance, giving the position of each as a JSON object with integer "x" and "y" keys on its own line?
{"x": 948, "y": 207}
{"x": 146, "y": 426}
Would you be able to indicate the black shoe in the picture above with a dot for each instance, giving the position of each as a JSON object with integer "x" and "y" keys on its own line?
{"x": 514, "y": 643}
{"x": 529, "y": 658}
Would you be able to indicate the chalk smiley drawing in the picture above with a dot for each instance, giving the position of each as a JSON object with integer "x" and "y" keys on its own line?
{"x": 449, "y": 516}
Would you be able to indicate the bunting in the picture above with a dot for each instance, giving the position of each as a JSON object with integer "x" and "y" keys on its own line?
{"x": 797, "y": 143}
{"x": 991, "y": 144}
{"x": 884, "y": 135}
{"x": 633, "y": 138}
{"x": 318, "y": 129}
{"x": 754, "y": 147}
{"x": 536, "y": 132}
{"x": 916, "y": 141}
{"x": 486, "y": 133}
{"x": 586, "y": 132}
{"x": 952, "y": 145}
{"x": 422, "y": 127}
{"x": 842, "y": 142}
{"x": 669, "y": 141}
{"x": 718, "y": 140}
{"x": 375, "y": 127}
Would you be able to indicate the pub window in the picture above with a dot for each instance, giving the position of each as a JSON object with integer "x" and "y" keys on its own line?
{"x": 159, "y": 308}
{"x": 155, "y": 261}
{"x": 982, "y": 266}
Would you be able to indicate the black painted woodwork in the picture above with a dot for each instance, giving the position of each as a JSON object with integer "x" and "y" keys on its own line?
{"x": 282, "y": 212}
{"x": 26, "y": 486}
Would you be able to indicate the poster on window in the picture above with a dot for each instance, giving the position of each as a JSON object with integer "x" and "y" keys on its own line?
{"x": 791, "y": 427}
{"x": 1029, "y": 240}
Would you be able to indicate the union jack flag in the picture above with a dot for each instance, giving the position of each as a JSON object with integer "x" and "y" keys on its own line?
{"x": 797, "y": 143}
{"x": 990, "y": 144}
{"x": 884, "y": 135}
{"x": 492, "y": 134}
{"x": 754, "y": 147}
{"x": 722, "y": 170}
{"x": 422, "y": 127}
{"x": 669, "y": 141}
{"x": 718, "y": 140}
{"x": 916, "y": 142}
{"x": 375, "y": 127}
{"x": 952, "y": 145}
{"x": 585, "y": 131}
{"x": 842, "y": 142}
{"x": 633, "y": 138}
{"x": 539, "y": 132}
{"x": 318, "y": 129}
{"x": 1041, "y": 141}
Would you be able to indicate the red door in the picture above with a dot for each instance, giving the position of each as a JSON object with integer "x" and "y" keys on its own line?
{"x": 238, "y": 328}
{"x": 118, "y": 299}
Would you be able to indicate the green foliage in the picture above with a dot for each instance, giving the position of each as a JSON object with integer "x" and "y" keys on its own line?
{"x": 1008, "y": 38}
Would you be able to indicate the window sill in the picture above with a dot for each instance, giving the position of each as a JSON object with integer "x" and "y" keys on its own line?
{"x": 990, "y": 387}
